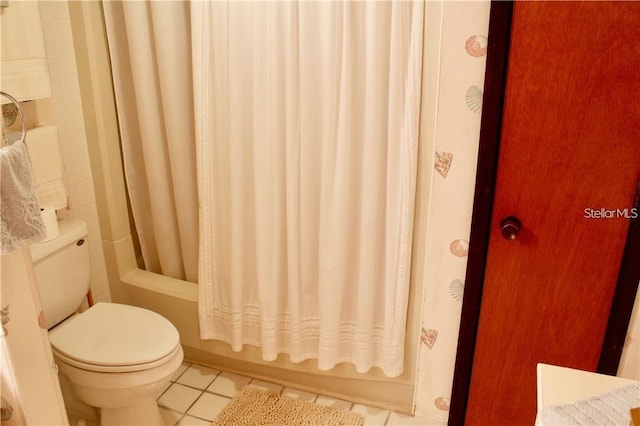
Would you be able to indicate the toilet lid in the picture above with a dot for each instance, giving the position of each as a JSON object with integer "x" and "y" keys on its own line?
{"x": 111, "y": 334}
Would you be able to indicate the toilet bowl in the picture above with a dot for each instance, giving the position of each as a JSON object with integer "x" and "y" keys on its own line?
{"x": 118, "y": 357}
{"x": 115, "y": 357}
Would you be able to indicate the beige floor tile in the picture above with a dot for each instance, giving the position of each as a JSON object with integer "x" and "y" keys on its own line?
{"x": 208, "y": 406}
{"x": 371, "y": 415}
{"x": 397, "y": 419}
{"x": 298, "y": 394}
{"x": 338, "y": 404}
{"x": 223, "y": 386}
{"x": 170, "y": 417}
{"x": 192, "y": 421}
{"x": 266, "y": 386}
{"x": 183, "y": 367}
{"x": 157, "y": 395}
{"x": 178, "y": 397}
{"x": 423, "y": 421}
{"x": 198, "y": 376}
{"x": 228, "y": 384}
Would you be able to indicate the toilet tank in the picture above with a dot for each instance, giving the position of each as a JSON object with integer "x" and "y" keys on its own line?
{"x": 62, "y": 271}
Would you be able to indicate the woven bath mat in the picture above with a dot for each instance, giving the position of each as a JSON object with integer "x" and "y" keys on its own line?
{"x": 253, "y": 407}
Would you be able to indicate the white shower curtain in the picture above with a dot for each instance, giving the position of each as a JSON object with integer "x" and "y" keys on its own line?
{"x": 307, "y": 130}
{"x": 150, "y": 48}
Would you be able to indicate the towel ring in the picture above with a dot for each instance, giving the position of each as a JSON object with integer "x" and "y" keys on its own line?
{"x": 21, "y": 112}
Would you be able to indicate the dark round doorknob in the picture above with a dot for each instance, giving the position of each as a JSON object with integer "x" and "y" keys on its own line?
{"x": 510, "y": 227}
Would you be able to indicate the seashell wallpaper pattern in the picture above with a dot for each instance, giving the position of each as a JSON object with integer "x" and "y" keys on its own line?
{"x": 462, "y": 62}
{"x": 443, "y": 163}
{"x": 429, "y": 337}
{"x": 476, "y": 46}
{"x": 473, "y": 98}
{"x": 459, "y": 248}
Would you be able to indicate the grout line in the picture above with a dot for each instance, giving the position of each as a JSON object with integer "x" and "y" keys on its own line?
{"x": 195, "y": 387}
{"x": 180, "y": 375}
{"x": 186, "y": 413}
{"x": 180, "y": 419}
{"x": 175, "y": 411}
{"x": 194, "y": 403}
{"x": 191, "y": 405}
{"x": 213, "y": 380}
{"x": 199, "y": 418}
{"x": 164, "y": 391}
{"x": 192, "y": 387}
{"x": 219, "y": 394}
{"x": 202, "y": 418}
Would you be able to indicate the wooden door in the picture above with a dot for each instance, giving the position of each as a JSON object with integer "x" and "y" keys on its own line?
{"x": 570, "y": 147}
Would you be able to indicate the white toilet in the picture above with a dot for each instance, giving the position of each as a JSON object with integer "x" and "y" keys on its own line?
{"x": 116, "y": 357}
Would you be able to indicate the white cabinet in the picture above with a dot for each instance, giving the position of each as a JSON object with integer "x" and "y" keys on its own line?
{"x": 30, "y": 381}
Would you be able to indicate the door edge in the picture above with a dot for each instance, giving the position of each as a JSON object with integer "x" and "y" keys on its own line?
{"x": 489, "y": 144}
{"x": 623, "y": 298}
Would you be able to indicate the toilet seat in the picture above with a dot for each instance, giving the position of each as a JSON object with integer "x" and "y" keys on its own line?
{"x": 116, "y": 368}
{"x": 111, "y": 337}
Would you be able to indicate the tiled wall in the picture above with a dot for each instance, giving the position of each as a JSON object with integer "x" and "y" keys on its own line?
{"x": 67, "y": 108}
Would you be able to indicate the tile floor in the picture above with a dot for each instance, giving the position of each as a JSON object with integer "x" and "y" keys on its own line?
{"x": 196, "y": 394}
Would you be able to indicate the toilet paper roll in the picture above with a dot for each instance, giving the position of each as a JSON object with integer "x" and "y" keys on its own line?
{"x": 50, "y": 220}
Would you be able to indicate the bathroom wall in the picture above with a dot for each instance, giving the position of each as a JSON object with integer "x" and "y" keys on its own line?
{"x": 459, "y": 83}
{"x": 68, "y": 113}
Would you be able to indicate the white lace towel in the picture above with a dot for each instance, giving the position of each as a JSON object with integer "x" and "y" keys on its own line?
{"x": 20, "y": 212}
{"x": 611, "y": 408}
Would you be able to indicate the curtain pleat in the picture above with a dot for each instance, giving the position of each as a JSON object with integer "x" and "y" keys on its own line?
{"x": 149, "y": 44}
{"x": 306, "y": 126}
